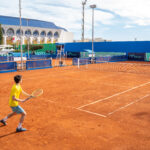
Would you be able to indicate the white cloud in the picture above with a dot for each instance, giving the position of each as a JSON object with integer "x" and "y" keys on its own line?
{"x": 128, "y": 26}
{"x": 133, "y": 9}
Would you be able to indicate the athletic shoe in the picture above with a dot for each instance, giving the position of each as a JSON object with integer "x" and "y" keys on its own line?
{"x": 21, "y": 129}
{"x": 3, "y": 122}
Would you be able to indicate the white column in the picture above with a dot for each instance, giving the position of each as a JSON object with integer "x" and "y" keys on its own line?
{"x": 59, "y": 40}
{"x": 38, "y": 40}
{"x": 5, "y": 40}
{"x": 23, "y": 40}
{"x": 31, "y": 40}
{"x": 52, "y": 40}
{"x": 45, "y": 40}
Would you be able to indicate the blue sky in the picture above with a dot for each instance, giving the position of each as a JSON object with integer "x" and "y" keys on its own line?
{"x": 117, "y": 20}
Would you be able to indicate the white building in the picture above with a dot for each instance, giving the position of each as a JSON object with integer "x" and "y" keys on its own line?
{"x": 35, "y": 31}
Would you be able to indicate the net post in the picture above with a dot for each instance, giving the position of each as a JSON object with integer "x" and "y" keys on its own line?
{"x": 86, "y": 65}
{"x": 78, "y": 62}
{"x": 7, "y": 58}
{"x": 51, "y": 61}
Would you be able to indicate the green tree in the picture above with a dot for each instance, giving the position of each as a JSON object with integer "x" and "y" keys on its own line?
{"x": 33, "y": 48}
{"x": 1, "y": 35}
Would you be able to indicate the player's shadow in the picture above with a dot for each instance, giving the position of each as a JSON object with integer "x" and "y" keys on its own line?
{"x": 143, "y": 115}
{"x": 2, "y": 126}
{"x": 2, "y": 136}
{"x": 8, "y": 134}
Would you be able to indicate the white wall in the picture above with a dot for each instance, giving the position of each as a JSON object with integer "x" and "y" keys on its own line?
{"x": 65, "y": 37}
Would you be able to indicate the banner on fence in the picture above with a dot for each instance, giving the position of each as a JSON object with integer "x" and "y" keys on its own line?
{"x": 136, "y": 56}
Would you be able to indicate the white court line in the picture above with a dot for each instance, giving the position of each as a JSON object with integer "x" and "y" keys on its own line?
{"x": 127, "y": 105}
{"x": 93, "y": 113}
{"x": 77, "y": 109}
{"x": 100, "y": 100}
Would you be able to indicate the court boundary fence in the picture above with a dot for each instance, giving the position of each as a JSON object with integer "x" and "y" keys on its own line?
{"x": 38, "y": 64}
{"x": 8, "y": 67}
{"x": 6, "y": 58}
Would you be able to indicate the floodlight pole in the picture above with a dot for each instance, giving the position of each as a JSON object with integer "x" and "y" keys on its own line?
{"x": 92, "y": 6}
{"x": 83, "y": 6}
{"x": 20, "y": 34}
{"x": 27, "y": 36}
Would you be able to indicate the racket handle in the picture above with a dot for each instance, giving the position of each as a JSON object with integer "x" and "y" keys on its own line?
{"x": 28, "y": 98}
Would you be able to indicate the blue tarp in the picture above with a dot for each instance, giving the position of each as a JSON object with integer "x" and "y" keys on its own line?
{"x": 120, "y": 46}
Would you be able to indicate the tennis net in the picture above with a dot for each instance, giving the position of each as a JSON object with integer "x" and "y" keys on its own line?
{"x": 128, "y": 67}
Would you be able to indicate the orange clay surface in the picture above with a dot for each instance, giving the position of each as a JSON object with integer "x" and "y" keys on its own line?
{"x": 79, "y": 110}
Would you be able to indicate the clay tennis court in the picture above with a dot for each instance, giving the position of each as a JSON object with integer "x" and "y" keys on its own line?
{"x": 80, "y": 109}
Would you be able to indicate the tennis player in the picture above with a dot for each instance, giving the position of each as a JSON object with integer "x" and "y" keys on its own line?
{"x": 14, "y": 103}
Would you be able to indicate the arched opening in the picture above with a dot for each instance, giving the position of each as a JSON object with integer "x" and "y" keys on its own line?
{"x": 18, "y": 32}
{"x": 56, "y": 36}
{"x": 42, "y": 35}
{"x": 28, "y": 33}
{"x": 36, "y": 33}
{"x": 10, "y": 34}
{"x": 49, "y": 35}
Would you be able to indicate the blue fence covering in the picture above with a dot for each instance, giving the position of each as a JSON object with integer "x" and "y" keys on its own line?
{"x": 8, "y": 67}
{"x": 35, "y": 57}
{"x": 120, "y": 46}
{"x": 6, "y": 58}
{"x": 3, "y": 58}
{"x": 137, "y": 56}
{"x": 111, "y": 58}
{"x": 38, "y": 64}
{"x": 18, "y": 54}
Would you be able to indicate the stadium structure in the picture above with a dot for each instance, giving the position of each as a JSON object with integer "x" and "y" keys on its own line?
{"x": 34, "y": 31}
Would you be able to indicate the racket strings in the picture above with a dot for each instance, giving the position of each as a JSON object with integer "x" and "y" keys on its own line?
{"x": 37, "y": 92}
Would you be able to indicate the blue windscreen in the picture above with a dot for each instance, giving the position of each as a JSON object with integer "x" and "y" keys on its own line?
{"x": 35, "y": 57}
{"x": 6, "y": 58}
{"x": 38, "y": 64}
{"x": 8, "y": 67}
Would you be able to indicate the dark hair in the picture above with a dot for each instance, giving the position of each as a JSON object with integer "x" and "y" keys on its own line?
{"x": 17, "y": 78}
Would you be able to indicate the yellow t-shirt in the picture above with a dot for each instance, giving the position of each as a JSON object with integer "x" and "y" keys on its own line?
{"x": 15, "y": 91}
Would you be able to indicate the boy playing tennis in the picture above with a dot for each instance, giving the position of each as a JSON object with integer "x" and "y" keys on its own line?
{"x": 13, "y": 103}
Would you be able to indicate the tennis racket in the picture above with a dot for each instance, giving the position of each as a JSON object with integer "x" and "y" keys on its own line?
{"x": 37, "y": 93}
